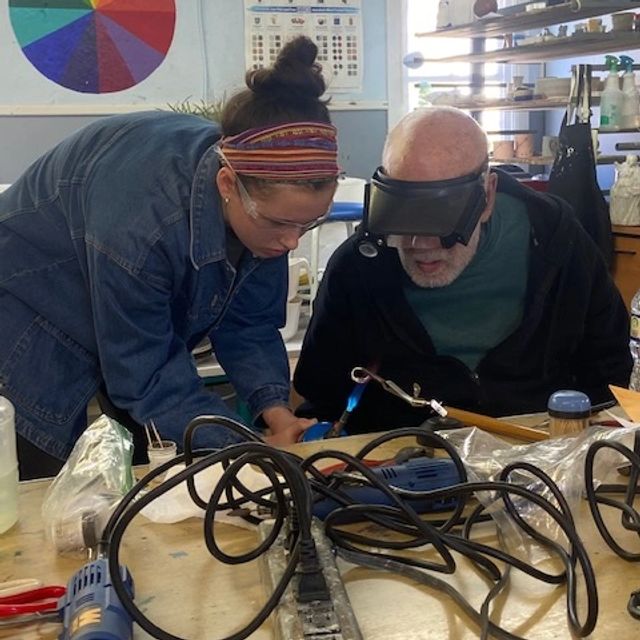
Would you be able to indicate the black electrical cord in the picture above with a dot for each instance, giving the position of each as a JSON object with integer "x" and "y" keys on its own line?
{"x": 294, "y": 482}
{"x": 272, "y": 462}
{"x": 331, "y": 488}
{"x": 428, "y": 438}
{"x": 577, "y": 555}
{"x": 549, "y": 578}
{"x": 443, "y": 541}
{"x": 343, "y": 539}
{"x": 120, "y": 527}
{"x": 494, "y": 592}
{"x": 630, "y": 519}
{"x": 423, "y": 526}
{"x": 258, "y": 459}
{"x": 206, "y": 421}
{"x": 421, "y": 577}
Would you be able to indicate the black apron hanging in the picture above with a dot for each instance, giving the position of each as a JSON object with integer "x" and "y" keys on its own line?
{"x": 573, "y": 176}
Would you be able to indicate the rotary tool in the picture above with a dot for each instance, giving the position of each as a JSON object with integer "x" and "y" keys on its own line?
{"x": 416, "y": 474}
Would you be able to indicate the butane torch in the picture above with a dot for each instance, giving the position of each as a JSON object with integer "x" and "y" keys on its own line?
{"x": 323, "y": 430}
{"x": 91, "y": 610}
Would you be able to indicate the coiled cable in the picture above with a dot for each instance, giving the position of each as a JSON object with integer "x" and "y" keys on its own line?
{"x": 294, "y": 484}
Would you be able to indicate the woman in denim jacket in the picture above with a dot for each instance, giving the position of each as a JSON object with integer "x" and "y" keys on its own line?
{"x": 132, "y": 240}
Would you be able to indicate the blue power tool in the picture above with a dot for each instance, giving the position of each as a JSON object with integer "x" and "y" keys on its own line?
{"x": 416, "y": 474}
{"x": 91, "y": 610}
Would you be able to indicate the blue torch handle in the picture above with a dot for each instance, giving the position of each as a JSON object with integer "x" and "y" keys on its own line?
{"x": 318, "y": 431}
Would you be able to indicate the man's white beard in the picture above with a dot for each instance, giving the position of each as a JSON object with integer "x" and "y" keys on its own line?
{"x": 454, "y": 262}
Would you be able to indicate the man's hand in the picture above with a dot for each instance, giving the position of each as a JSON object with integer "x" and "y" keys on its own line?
{"x": 284, "y": 427}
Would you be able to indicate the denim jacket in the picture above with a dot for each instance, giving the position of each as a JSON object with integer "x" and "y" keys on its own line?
{"x": 113, "y": 267}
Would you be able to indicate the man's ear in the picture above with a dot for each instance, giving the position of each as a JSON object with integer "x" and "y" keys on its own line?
{"x": 226, "y": 182}
{"x": 492, "y": 187}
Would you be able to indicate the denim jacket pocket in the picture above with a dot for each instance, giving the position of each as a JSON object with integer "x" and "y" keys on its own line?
{"x": 71, "y": 373}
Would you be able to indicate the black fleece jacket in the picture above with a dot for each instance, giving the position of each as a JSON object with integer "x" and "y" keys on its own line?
{"x": 574, "y": 333}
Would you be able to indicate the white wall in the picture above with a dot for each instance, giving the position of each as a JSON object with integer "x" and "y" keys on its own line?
{"x": 59, "y": 112}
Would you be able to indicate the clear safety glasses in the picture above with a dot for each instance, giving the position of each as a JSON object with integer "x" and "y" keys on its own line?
{"x": 267, "y": 222}
{"x": 275, "y": 224}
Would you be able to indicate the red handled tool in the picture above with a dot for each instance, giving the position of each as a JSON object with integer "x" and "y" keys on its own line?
{"x": 38, "y": 600}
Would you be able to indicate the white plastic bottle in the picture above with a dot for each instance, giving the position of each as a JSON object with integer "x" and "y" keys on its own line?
{"x": 630, "y": 118}
{"x": 634, "y": 342}
{"x": 8, "y": 466}
{"x": 612, "y": 99}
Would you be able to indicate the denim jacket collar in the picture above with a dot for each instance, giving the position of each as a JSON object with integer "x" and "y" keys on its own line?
{"x": 207, "y": 222}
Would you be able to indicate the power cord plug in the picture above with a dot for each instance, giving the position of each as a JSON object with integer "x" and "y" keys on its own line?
{"x": 291, "y": 527}
{"x": 312, "y": 584}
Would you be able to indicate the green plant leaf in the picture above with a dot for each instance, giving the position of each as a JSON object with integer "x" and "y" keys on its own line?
{"x": 209, "y": 110}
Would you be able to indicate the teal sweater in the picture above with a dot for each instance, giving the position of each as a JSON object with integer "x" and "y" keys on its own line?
{"x": 484, "y": 305}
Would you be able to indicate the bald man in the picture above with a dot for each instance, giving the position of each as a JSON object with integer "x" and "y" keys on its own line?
{"x": 487, "y": 294}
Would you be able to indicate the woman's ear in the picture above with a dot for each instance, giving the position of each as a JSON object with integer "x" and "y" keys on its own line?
{"x": 226, "y": 182}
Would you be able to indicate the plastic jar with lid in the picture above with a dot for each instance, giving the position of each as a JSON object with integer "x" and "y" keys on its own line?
{"x": 569, "y": 412}
{"x": 161, "y": 452}
{"x": 8, "y": 466}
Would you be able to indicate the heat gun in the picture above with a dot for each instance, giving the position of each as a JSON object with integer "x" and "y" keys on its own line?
{"x": 91, "y": 610}
{"x": 416, "y": 474}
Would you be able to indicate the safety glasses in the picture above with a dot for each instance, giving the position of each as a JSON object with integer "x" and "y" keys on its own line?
{"x": 275, "y": 224}
{"x": 267, "y": 222}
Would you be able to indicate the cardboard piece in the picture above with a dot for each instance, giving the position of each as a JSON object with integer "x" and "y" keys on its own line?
{"x": 628, "y": 400}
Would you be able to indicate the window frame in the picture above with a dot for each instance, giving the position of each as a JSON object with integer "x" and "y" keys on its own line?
{"x": 400, "y": 79}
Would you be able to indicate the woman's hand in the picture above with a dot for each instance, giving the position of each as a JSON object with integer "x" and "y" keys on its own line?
{"x": 284, "y": 427}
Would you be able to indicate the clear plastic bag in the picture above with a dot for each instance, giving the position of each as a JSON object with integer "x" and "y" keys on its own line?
{"x": 93, "y": 480}
{"x": 625, "y": 193}
{"x": 562, "y": 459}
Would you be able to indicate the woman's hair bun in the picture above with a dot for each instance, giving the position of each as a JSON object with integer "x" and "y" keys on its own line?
{"x": 295, "y": 71}
{"x": 289, "y": 91}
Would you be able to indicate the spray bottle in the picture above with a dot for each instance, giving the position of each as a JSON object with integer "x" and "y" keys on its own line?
{"x": 631, "y": 104}
{"x": 612, "y": 99}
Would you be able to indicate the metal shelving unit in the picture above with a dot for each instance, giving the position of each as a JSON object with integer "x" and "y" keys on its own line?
{"x": 516, "y": 19}
{"x": 504, "y": 104}
{"x": 616, "y": 131}
{"x": 553, "y": 49}
{"x": 539, "y": 161}
{"x": 528, "y": 20}
{"x": 533, "y": 161}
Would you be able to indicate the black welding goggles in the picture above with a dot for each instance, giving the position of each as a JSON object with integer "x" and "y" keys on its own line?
{"x": 449, "y": 209}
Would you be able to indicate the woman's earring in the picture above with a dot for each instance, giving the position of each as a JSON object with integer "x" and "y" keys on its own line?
{"x": 226, "y": 200}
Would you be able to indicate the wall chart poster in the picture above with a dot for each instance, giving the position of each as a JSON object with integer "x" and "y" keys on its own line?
{"x": 334, "y": 25}
{"x": 94, "y": 46}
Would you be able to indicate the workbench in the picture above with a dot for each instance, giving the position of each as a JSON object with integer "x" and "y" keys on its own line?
{"x": 190, "y": 594}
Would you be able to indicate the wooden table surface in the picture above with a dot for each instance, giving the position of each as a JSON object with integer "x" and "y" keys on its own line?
{"x": 187, "y": 592}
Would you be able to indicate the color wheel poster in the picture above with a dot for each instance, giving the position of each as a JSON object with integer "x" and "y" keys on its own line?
{"x": 92, "y": 52}
{"x": 94, "y": 46}
{"x": 334, "y": 25}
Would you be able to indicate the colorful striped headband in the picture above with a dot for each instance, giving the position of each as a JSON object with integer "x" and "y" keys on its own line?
{"x": 285, "y": 152}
